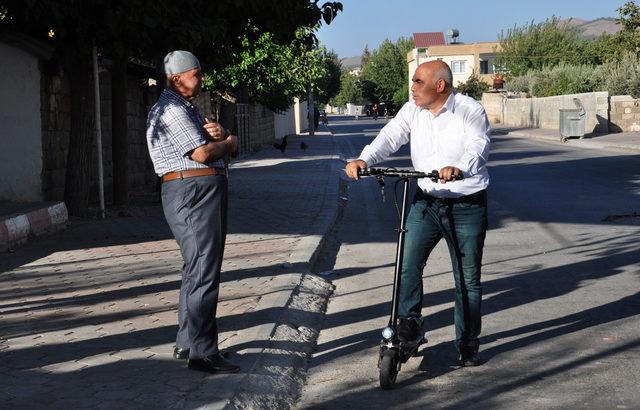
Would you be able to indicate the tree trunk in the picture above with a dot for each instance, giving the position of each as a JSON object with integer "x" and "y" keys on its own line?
{"x": 120, "y": 140}
{"x": 79, "y": 165}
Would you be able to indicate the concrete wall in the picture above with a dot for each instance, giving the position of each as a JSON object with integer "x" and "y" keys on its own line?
{"x": 353, "y": 109}
{"x": 284, "y": 123}
{"x": 492, "y": 103}
{"x": 469, "y": 66}
{"x": 300, "y": 113}
{"x": 544, "y": 112}
{"x": 624, "y": 114}
{"x": 20, "y": 126}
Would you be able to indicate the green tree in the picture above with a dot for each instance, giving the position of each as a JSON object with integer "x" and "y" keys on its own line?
{"x": 534, "y": 46}
{"x": 473, "y": 87}
{"x": 366, "y": 56}
{"x": 329, "y": 84}
{"x": 350, "y": 90}
{"x": 621, "y": 77}
{"x": 614, "y": 47}
{"x": 385, "y": 74}
{"x": 271, "y": 73}
{"x": 401, "y": 95}
{"x": 146, "y": 31}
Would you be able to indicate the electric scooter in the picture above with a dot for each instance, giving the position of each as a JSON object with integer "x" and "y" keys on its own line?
{"x": 394, "y": 352}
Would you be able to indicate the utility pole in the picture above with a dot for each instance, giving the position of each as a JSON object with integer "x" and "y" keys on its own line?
{"x": 96, "y": 90}
{"x": 312, "y": 112}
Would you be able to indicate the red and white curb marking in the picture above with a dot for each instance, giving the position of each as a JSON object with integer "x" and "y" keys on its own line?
{"x": 15, "y": 230}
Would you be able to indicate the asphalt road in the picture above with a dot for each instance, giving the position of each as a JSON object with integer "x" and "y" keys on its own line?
{"x": 561, "y": 274}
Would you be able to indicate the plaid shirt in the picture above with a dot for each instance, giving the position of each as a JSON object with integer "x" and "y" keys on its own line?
{"x": 174, "y": 129}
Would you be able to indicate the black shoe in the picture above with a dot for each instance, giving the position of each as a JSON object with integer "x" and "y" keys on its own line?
{"x": 408, "y": 330}
{"x": 469, "y": 357}
{"x": 180, "y": 354}
{"x": 213, "y": 364}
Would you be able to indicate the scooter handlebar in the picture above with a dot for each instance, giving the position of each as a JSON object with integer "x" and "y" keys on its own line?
{"x": 402, "y": 173}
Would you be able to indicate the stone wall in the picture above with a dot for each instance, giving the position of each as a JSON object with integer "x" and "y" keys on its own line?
{"x": 261, "y": 128}
{"x": 624, "y": 114}
{"x": 258, "y": 131}
{"x": 544, "y": 112}
{"x": 55, "y": 115}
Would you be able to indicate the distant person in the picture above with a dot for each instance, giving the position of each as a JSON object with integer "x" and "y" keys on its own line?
{"x": 316, "y": 117}
{"x": 187, "y": 151}
{"x": 448, "y": 132}
{"x": 374, "y": 111}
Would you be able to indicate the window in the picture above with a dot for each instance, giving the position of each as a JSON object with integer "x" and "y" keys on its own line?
{"x": 458, "y": 66}
{"x": 484, "y": 67}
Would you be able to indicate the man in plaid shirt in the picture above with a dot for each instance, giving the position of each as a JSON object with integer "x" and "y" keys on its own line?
{"x": 187, "y": 152}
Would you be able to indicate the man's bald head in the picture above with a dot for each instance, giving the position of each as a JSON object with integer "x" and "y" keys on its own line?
{"x": 439, "y": 70}
{"x": 432, "y": 85}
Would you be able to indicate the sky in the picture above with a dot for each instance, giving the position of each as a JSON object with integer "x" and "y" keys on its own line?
{"x": 369, "y": 22}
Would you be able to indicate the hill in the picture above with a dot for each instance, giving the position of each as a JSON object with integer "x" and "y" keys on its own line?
{"x": 595, "y": 28}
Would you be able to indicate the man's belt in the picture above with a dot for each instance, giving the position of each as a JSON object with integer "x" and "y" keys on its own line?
{"x": 190, "y": 173}
{"x": 479, "y": 197}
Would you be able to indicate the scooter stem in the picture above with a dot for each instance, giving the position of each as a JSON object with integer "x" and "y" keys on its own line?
{"x": 399, "y": 250}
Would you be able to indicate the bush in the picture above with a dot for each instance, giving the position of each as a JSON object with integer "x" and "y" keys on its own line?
{"x": 622, "y": 77}
{"x": 474, "y": 87}
{"x": 558, "y": 80}
{"x": 520, "y": 84}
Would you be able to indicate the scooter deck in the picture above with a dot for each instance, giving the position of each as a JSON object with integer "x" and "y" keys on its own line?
{"x": 409, "y": 349}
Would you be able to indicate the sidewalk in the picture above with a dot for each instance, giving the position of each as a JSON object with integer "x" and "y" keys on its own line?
{"x": 89, "y": 314}
{"x": 626, "y": 141}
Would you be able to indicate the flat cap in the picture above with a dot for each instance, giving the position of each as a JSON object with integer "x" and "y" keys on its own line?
{"x": 179, "y": 61}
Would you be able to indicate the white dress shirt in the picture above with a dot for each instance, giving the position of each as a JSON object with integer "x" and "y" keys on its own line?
{"x": 458, "y": 136}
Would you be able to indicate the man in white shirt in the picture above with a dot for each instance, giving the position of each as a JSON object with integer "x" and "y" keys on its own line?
{"x": 448, "y": 132}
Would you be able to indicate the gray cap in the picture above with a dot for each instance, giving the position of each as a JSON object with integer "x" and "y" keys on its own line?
{"x": 179, "y": 61}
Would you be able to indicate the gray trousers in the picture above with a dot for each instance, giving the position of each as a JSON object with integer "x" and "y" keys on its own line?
{"x": 196, "y": 210}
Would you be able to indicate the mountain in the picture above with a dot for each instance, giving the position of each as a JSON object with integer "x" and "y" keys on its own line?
{"x": 594, "y": 28}
{"x": 350, "y": 63}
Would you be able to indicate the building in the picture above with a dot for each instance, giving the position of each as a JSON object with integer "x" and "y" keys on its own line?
{"x": 464, "y": 59}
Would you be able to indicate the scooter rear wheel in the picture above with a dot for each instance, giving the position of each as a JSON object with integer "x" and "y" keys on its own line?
{"x": 388, "y": 370}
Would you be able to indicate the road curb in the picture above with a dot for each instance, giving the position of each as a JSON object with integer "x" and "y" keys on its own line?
{"x": 16, "y": 229}
{"x": 278, "y": 375}
{"x": 588, "y": 143}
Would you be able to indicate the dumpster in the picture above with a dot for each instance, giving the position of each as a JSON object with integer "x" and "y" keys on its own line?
{"x": 572, "y": 121}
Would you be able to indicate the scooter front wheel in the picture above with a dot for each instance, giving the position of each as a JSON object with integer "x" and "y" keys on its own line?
{"x": 388, "y": 369}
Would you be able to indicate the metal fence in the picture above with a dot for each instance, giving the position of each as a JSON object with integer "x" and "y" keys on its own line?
{"x": 243, "y": 126}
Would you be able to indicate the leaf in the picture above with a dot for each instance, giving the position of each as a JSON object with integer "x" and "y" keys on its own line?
{"x": 327, "y": 15}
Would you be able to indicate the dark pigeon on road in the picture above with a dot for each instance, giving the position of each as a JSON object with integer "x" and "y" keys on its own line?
{"x": 282, "y": 145}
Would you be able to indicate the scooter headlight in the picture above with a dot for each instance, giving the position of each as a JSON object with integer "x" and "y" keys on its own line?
{"x": 387, "y": 333}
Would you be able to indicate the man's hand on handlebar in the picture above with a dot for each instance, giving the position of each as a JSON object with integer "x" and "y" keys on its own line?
{"x": 353, "y": 166}
{"x": 448, "y": 174}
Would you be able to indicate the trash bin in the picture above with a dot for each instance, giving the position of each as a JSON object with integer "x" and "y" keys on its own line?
{"x": 572, "y": 121}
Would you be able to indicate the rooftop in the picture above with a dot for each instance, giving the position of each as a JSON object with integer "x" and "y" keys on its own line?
{"x": 434, "y": 38}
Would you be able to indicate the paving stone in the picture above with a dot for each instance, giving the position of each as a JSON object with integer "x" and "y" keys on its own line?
{"x": 89, "y": 315}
